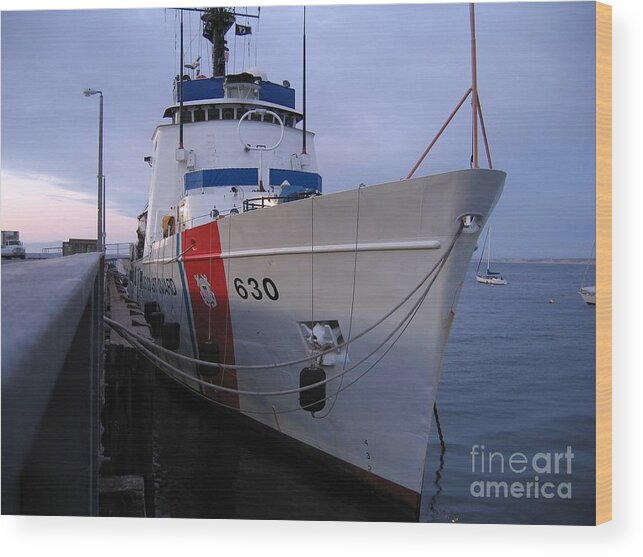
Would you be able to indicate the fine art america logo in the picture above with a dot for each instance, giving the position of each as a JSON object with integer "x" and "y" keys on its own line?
{"x": 545, "y": 475}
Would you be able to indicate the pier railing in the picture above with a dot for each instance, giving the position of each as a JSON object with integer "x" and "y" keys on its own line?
{"x": 122, "y": 250}
{"x": 52, "y": 361}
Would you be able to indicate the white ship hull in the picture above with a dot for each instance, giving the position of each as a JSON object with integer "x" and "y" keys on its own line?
{"x": 346, "y": 258}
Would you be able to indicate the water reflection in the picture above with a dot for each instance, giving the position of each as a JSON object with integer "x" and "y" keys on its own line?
{"x": 210, "y": 463}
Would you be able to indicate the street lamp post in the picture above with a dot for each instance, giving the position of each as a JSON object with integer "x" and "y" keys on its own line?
{"x": 101, "y": 178}
{"x": 98, "y": 309}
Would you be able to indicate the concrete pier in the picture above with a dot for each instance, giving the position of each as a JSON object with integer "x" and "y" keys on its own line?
{"x": 52, "y": 358}
{"x": 76, "y": 398}
{"x": 126, "y": 477}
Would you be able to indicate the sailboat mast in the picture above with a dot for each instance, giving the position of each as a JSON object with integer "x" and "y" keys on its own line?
{"x": 474, "y": 87}
{"x": 484, "y": 245}
{"x": 489, "y": 253}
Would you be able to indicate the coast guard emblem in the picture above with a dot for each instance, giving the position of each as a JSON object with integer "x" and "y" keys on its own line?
{"x": 205, "y": 291}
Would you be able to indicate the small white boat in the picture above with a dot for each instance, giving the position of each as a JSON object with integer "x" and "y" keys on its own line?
{"x": 588, "y": 293}
{"x": 490, "y": 277}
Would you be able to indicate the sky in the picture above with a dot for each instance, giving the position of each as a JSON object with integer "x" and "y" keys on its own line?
{"x": 381, "y": 81}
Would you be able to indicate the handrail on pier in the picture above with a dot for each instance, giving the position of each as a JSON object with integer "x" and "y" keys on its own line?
{"x": 120, "y": 250}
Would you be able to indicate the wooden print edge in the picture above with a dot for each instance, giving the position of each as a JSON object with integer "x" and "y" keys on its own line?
{"x": 603, "y": 263}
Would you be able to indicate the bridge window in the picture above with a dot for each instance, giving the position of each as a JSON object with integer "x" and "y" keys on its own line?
{"x": 203, "y": 113}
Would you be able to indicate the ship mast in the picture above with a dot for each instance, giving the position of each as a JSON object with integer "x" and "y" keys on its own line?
{"x": 216, "y": 23}
{"x": 476, "y": 109}
{"x": 474, "y": 87}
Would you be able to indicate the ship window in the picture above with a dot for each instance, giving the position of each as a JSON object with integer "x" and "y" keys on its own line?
{"x": 288, "y": 121}
{"x": 228, "y": 113}
{"x": 199, "y": 115}
{"x": 256, "y": 117}
{"x": 268, "y": 118}
{"x": 240, "y": 113}
{"x": 213, "y": 113}
{"x": 187, "y": 116}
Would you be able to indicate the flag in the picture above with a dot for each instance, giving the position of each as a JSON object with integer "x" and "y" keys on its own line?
{"x": 242, "y": 29}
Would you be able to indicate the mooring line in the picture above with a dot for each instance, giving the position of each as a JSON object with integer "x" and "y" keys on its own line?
{"x": 438, "y": 266}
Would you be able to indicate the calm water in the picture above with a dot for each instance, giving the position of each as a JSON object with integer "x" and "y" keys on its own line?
{"x": 518, "y": 377}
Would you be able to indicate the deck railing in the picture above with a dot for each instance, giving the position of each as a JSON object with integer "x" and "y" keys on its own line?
{"x": 272, "y": 200}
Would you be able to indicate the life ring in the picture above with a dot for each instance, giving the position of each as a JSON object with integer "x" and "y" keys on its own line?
{"x": 168, "y": 225}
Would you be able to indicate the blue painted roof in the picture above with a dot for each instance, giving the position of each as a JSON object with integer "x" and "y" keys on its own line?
{"x": 212, "y": 88}
{"x": 213, "y": 177}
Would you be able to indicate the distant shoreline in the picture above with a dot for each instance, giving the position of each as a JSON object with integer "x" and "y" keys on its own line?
{"x": 546, "y": 261}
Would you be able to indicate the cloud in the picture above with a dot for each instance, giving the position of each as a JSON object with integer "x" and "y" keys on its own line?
{"x": 43, "y": 208}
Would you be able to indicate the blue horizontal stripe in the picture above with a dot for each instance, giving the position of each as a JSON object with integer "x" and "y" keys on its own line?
{"x": 308, "y": 180}
{"x": 201, "y": 89}
{"x": 221, "y": 177}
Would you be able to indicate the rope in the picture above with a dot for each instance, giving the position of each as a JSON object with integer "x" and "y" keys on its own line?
{"x": 165, "y": 364}
{"x": 234, "y": 48}
{"x": 228, "y": 316}
{"x": 191, "y": 40}
{"x": 439, "y": 427}
{"x": 298, "y": 408}
{"x": 245, "y": 41}
{"x": 312, "y": 356}
{"x": 176, "y": 258}
{"x": 210, "y": 259}
{"x": 350, "y": 321}
{"x": 183, "y": 305}
{"x": 407, "y": 319}
{"x": 438, "y": 473}
{"x": 257, "y": 34}
{"x": 312, "y": 264}
{"x": 392, "y": 344}
{"x": 179, "y": 371}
